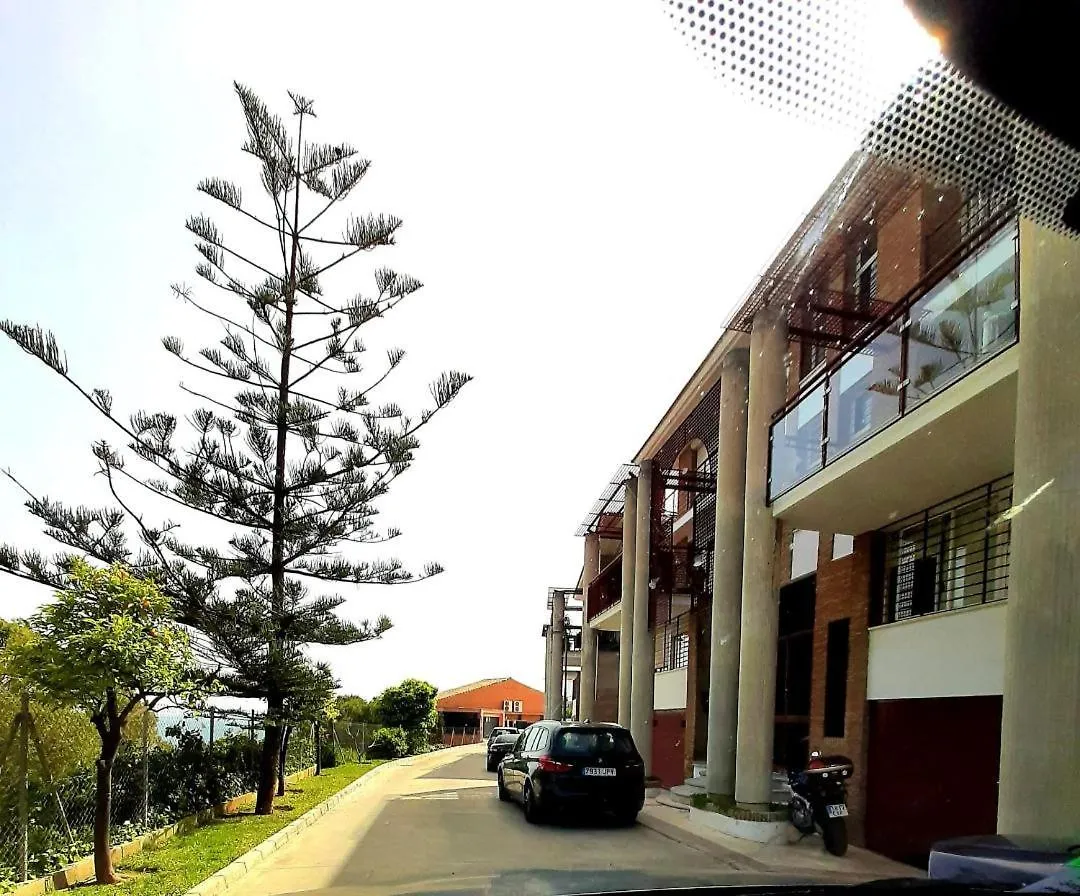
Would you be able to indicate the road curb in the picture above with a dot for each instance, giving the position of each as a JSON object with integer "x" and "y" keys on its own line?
{"x": 221, "y": 880}
{"x": 688, "y": 838}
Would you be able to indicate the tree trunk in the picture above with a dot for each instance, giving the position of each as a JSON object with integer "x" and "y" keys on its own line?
{"x": 103, "y": 866}
{"x": 268, "y": 770}
{"x": 284, "y": 755}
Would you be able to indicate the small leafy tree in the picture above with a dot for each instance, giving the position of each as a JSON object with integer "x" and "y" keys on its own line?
{"x": 411, "y": 707}
{"x": 107, "y": 645}
{"x": 293, "y": 455}
{"x": 355, "y": 709}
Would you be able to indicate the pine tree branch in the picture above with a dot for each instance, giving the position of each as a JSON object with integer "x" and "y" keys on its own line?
{"x": 184, "y": 295}
{"x": 356, "y": 575}
{"x": 176, "y": 349}
{"x": 253, "y": 522}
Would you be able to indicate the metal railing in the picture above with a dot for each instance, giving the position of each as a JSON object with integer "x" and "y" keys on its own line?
{"x": 934, "y": 337}
{"x": 950, "y": 556}
{"x": 172, "y": 762}
{"x": 672, "y": 644}
{"x": 605, "y": 590}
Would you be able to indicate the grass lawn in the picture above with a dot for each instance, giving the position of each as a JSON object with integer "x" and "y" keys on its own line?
{"x": 184, "y": 861}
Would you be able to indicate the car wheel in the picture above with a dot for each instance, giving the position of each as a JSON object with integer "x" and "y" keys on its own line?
{"x": 626, "y": 817}
{"x": 528, "y": 803}
{"x": 504, "y": 794}
{"x": 490, "y": 766}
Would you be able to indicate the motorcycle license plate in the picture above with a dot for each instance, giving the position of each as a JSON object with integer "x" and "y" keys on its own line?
{"x": 838, "y": 810}
{"x": 599, "y": 772}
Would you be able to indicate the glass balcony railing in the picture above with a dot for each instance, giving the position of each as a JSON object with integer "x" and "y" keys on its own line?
{"x": 942, "y": 333}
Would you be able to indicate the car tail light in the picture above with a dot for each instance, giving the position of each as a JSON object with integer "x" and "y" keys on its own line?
{"x": 547, "y": 764}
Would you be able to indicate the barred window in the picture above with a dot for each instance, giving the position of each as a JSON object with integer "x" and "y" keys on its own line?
{"x": 950, "y": 556}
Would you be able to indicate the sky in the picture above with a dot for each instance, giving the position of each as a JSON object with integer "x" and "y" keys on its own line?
{"x": 584, "y": 200}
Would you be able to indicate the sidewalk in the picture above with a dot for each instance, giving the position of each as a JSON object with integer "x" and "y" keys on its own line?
{"x": 807, "y": 856}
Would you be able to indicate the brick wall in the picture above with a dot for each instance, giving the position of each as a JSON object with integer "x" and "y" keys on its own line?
{"x": 843, "y": 592}
{"x": 899, "y": 243}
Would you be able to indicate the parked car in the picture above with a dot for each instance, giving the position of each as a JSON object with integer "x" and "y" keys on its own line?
{"x": 502, "y": 729}
{"x": 499, "y": 746}
{"x": 585, "y": 766}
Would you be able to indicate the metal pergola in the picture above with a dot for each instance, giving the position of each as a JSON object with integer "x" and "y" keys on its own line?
{"x": 609, "y": 505}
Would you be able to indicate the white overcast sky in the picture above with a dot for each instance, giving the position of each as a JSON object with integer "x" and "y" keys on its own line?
{"x": 584, "y": 200}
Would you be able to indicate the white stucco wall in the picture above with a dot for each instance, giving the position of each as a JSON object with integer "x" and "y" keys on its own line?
{"x": 956, "y": 654}
{"x": 669, "y": 689}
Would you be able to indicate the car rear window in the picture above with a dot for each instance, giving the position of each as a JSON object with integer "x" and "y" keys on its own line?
{"x": 506, "y": 738}
{"x": 593, "y": 743}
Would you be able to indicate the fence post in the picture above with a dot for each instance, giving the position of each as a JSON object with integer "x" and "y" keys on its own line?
{"x": 251, "y": 726}
{"x": 24, "y": 787}
{"x": 211, "y": 726}
{"x": 145, "y": 809}
{"x": 318, "y": 749}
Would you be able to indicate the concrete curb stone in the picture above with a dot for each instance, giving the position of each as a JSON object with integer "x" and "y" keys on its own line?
{"x": 681, "y": 835}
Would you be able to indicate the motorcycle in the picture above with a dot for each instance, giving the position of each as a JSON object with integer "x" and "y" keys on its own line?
{"x": 819, "y": 801}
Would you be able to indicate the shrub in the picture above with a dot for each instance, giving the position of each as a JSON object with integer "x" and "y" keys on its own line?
{"x": 389, "y": 743}
{"x": 417, "y": 739}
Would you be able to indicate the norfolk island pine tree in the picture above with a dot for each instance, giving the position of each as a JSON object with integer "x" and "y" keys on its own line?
{"x": 294, "y": 460}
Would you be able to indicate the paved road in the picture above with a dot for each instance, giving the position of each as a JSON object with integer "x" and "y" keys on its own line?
{"x": 435, "y": 824}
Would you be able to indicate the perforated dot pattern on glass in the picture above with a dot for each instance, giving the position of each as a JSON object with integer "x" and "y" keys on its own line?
{"x": 812, "y": 59}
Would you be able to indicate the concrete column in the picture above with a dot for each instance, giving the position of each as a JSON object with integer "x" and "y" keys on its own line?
{"x": 760, "y": 607}
{"x": 641, "y": 680}
{"x": 547, "y": 667}
{"x": 1039, "y": 791}
{"x": 589, "y": 572}
{"x": 626, "y": 604}
{"x": 558, "y": 645}
{"x": 727, "y": 574}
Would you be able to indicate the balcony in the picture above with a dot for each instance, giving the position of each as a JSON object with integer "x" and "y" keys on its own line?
{"x": 960, "y": 324}
{"x": 603, "y": 597}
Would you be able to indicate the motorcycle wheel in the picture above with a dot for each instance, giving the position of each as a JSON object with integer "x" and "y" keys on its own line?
{"x": 834, "y": 833}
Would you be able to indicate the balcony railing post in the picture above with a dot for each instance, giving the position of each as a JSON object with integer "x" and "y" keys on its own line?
{"x": 769, "y": 463}
{"x": 986, "y": 541}
{"x": 902, "y": 369}
{"x": 825, "y": 421}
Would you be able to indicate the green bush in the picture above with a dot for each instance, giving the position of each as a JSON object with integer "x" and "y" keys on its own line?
{"x": 389, "y": 743}
{"x": 417, "y": 739}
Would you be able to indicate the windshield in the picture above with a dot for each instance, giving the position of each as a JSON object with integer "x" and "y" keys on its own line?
{"x": 549, "y": 447}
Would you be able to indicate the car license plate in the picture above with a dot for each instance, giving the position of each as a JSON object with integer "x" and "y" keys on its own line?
{"x": 838, "y": 810}
{"x": 599, "y": 772}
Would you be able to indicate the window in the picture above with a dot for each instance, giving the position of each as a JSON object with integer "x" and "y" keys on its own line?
{"x": 842, "y": 546}
{"x": 836, "y": 669}
{"x": 864, "y": 282}
{"x": 542, "y": 741}
{"x": 531, "y": 738}
{"x": 811, "y": 354}
{"x": 804, "y": 551}
{"x": 950, "y": 556}
{"x": 593, "y": 743}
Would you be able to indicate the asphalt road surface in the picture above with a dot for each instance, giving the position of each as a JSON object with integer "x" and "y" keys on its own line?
{"x": 434, "y": 824}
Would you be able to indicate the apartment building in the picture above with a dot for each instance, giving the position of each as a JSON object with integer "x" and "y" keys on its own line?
{"x": 852, "y": 527}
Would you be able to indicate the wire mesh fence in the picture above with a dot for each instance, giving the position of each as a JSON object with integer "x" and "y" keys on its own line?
{"x": 171, "y": 762}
